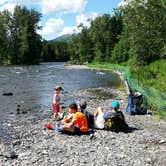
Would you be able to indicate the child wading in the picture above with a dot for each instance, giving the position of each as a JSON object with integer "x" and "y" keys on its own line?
{"x": 56, "y": 101}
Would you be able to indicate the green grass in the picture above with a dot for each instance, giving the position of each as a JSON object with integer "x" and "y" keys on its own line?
{"x": 153, "y": 75}
{"x": 149, "y": 80}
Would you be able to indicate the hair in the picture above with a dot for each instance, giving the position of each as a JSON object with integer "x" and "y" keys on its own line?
{"x": 59, "y": 88}
{"x": 83, "y": 105}
{"x": 73, "y": 106}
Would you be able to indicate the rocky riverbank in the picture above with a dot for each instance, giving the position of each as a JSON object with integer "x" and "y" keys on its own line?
{"x": 32, "y": 144}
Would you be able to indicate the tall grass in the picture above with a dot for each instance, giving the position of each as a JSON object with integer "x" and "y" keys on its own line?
{"x": 149, "y": 80}
{"x": 153, "y": 75}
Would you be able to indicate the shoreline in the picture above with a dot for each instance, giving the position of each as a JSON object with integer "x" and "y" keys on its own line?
{"x": 33, "y": 145}
{"x": 70, "y": 66}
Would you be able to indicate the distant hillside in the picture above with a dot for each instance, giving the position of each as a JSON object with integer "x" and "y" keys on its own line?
{"x": 63, "y": 38}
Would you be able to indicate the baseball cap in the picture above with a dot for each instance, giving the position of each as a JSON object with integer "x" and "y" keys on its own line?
{"x": 115, "y": 104}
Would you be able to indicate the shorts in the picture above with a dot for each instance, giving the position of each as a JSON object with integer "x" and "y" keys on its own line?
{"x": 56, "y": 108}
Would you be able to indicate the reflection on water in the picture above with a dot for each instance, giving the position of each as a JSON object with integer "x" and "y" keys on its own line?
{"x": 32, "y": 86}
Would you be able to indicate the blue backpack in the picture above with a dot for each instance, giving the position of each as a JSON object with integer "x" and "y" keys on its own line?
{"x": 134, "y": 104}
{"x": 89, "y": 117}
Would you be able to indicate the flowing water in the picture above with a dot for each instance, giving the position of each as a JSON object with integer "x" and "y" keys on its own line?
{"x": 31, "y": 87}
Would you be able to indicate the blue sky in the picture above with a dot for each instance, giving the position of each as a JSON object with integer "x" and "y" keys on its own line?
{"x": 61, "y": 17}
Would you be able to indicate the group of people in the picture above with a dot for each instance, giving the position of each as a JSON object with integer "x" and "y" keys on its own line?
{"x": 80, "y": 120}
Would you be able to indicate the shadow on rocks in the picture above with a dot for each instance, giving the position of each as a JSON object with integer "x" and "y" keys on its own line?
{"x": 125, "y": 130}
{"x": 90, "y": 133}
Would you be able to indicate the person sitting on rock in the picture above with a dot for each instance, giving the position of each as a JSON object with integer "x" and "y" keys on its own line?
{"x": 77, "y": 124}
{"x": 82, "y": 104}
{"x": 113, "y": 119}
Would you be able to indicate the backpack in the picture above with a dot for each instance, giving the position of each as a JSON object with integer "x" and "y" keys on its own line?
{"x": 115, "y": 122}
{"x": 89, "y": 117}
{"x": 134, "y": 104}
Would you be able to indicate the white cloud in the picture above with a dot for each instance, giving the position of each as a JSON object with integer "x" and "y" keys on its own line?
{"x": 11, "y": 4}
{"x": 68, "y": 30}
{"x": 55, "y": 27}
{"x": 52, "y": 27}
{"x": 19, "y": 1}
{"x": 64, "y": 6}
{"x": 83, "y": 19}
{"x": 2, "y": 1}
{"x": 124, "y": 3}
{"x": 8, "y": 6}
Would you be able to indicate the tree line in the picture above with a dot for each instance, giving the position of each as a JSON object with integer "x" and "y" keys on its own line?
{"x": 20, "y": 43}
{"x": 134, "y": 34}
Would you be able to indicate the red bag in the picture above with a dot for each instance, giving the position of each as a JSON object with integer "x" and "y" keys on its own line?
{"x": 49, "y": 126}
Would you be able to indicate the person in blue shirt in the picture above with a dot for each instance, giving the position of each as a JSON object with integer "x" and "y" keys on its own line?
{"x": 82, "y": 104}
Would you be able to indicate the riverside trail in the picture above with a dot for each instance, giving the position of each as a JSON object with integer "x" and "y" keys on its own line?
{"x": 144, "y": 144}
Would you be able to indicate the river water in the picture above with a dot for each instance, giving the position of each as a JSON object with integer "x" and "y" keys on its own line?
{"x": 32, "y": 86}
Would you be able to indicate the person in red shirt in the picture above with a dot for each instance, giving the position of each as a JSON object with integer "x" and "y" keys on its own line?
{"x": 76, "y": 124}
{"x": 56, "y": 101}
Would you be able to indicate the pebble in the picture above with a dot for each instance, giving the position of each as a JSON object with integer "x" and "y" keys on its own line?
{"x": 144, "y": 145}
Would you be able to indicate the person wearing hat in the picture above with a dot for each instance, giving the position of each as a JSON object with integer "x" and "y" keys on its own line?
{"x": 82, "y": 104}
{"x": 115, "y": 119}
{"x": 115, "y": 110}
{"x": 101, "y": 118}
{"x": 56, "y": 101}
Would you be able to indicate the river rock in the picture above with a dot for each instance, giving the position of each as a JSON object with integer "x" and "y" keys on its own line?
{"x": 144, "y": 144}
{"x": 7, "y": 94}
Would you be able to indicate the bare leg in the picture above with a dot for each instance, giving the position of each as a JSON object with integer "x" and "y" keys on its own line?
{"x": 71, "y": 129}
{"x": 66, "y": 120}
{"x": 98, "y": 111}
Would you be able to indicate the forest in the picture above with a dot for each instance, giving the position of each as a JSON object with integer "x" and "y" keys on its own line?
{"x": 134, "y": 36}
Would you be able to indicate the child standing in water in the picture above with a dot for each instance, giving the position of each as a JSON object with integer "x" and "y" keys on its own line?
{"x": 56, "y": 101}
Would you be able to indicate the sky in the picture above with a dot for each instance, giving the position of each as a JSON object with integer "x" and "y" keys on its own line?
{"x": 61, "y": 17}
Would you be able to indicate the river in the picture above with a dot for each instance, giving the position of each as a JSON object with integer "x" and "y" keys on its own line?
{"x": 32, "y": 86}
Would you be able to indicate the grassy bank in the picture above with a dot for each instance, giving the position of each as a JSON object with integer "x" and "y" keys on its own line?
{"x": 146, "y": 80}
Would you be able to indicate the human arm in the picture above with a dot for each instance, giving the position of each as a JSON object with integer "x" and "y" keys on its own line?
{"x": 68, "y": 124}
{"x": 66, "y": 120}
{"x": 56, "y": 99}
{"x": 98, "y": 111}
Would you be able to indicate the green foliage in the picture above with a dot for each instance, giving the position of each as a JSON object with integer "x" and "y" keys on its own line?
{"x": 73, "y": 49}
{"x": 154, "y": 99}
{"x": 144, "y": 24}
{"x": 54, "y": 51}
{"x": 5, "y": 19}
{"x": 97, "y": 42}
{"x": 120, "y": 51}
{"x": 152, "y": 75}
{"x": 63, "y": 38}
{"x": 21, "y": 43}
{"x": 134, "y": 34}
